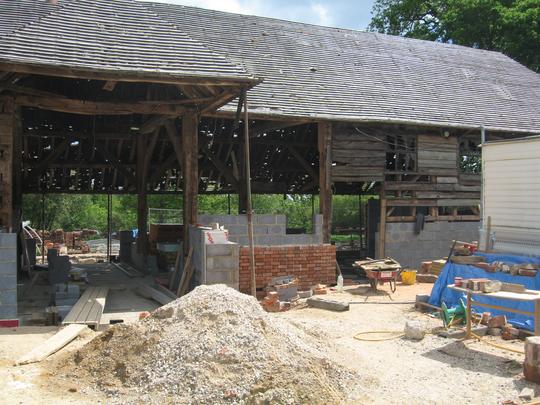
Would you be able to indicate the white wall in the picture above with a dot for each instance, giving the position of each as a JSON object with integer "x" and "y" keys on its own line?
{"x": 511, "y": 194}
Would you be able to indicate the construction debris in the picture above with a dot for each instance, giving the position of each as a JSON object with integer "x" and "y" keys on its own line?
{"x": 330, "y": 305}
{"x": 53, "y": 344}
{"x": 218, "y": 347}
{"x": 414, "y": 330}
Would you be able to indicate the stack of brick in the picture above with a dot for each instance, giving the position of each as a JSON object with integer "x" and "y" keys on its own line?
{"x": 311, "y": 264}
{"x": 8, "y": 275}
{"x": 271, "y": 303}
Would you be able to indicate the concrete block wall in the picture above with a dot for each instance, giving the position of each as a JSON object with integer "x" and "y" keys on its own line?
{"x": 268, "y": 229}
{"x": 312, "y": 264}
{"x": 223, "y": 264}
{"x": 216, "y": 261}
{"x": 432, "y": 243}
{"x": 8, "y": 275}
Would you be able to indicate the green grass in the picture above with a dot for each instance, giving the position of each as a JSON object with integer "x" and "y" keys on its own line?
{"x": 344, "y": 238}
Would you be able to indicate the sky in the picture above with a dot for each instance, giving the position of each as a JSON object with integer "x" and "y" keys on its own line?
{"x": 334, "y": 13}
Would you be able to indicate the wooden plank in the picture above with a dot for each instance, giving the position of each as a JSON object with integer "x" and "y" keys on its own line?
{"x": 187, "y": 264}
{"x": 52, "y": 345}
{"x": 89, "y": 308}
{"x": 152, "y": 292}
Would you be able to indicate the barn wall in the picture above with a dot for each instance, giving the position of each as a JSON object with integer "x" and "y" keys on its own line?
{"x": 433, "y": 242}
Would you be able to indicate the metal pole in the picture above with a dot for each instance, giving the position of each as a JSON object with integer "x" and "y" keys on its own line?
{"x": 43, "y": 228}
{"x": 248, "y": 196}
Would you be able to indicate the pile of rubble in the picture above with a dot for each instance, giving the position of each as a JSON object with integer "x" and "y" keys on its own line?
{"x": 214, "y": 345}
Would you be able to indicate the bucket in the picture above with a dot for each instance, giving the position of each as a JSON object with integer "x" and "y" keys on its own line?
{"x": 408, "y": 277}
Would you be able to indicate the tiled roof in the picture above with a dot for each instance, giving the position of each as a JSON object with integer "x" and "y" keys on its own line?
{"x": 105, "y": 35}
{"x": 321, "y": 72}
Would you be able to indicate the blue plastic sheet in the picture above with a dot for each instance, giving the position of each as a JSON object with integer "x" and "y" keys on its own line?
{"x": 440, "y": 293}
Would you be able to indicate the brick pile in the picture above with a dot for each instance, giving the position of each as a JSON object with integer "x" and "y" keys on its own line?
{"x": 311, "y": 264}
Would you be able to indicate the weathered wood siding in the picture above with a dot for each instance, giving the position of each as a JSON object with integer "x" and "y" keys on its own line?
{"x": 357, "y": 157}
{"x": 438, "y": 155}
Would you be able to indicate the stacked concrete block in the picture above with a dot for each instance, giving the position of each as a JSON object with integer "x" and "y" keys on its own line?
{"x": 268, "y": 229}
{"x": 432, "y": 242}
{"x": 8, "y": 275}
{"x": 223, "y": 264}
{"x": 59, "y": 267}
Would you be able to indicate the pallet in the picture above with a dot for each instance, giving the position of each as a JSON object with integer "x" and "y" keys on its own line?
{"x": 89, "y": 308}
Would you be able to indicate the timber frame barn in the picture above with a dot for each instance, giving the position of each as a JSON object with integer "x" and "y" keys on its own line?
{"x": 125, "y": 96}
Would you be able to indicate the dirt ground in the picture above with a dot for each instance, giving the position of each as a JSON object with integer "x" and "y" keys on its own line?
{"x": 432, "y": 371}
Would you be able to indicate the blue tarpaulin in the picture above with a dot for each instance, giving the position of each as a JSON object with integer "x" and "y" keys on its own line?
{"x": 440, "y": 293}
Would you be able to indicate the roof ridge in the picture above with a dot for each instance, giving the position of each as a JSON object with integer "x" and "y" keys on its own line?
{"x": 46, "y": 14}
{"x": 351, "y": 30}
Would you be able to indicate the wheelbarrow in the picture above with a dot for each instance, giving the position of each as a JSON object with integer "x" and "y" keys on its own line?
{"x": 380, "y": 271}
{"x": 377, "y": 277}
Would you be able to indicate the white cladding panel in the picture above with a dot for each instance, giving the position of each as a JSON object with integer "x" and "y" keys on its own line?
{"x": 511, "y": 194}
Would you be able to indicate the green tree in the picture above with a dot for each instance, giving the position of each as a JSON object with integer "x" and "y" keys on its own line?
{"x": 508, "y": 26}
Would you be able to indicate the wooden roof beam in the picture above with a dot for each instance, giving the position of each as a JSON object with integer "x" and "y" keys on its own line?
{"x": 84, "y": 107}
{"x": 127, "y": 76}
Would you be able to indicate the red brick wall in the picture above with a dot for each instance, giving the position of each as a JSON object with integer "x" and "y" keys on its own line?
{"x": 312, "y": 264}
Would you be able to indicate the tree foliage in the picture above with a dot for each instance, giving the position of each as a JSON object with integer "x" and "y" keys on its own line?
{"x": 75, "y": 212}
{"x": 508, "y": 26}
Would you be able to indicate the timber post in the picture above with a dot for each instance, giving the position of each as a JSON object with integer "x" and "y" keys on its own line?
{"x": 6, "y": 164}
{"x": 324, "y": 131}
{"x": 190, "y": 171}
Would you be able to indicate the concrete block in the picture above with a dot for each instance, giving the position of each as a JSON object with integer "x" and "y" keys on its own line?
{"x": 227, "y": 220}
{"x": 8, "y": 297}
{"x": 269, "y": 240}
{"x": 237, "y": 230}
{"x": 217, "y": 277}
{"x": 8, "y": 282}
{"x": 8, "y": 268}
{"x": 8, "y": 240}
{"x": 8, "y": 255}
{"x": 8, "y": 311}
{"x": 260, "y": 230}
{"x": 219, "y": 250}
{"x": 241, "y": 240}
{"x": 276, "y": 230}
{"x": 224, "y": 263}
{"x": 234, "y": 285}
{"x": 265, "y": 219}
{"x": 59, "y": 269}
{"x": 329, "y": 305}
{"x": 281, "y": 219}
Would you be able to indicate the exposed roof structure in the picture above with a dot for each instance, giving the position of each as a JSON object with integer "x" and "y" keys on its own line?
{"x": 338, "y": 74}
{"x": 308, "y": 71}
{"x": 122, "y": 36}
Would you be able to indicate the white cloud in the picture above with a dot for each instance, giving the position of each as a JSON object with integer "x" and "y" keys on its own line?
{"x": 303, "y": 11}
{"x": 321, "y": 14}
{"x": 232, "y": 6}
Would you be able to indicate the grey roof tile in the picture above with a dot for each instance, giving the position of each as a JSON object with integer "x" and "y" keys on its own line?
{"x": 314, "y": 71}
{"x": 119, "y": 35}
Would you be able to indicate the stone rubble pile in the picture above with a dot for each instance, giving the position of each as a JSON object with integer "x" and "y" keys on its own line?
{"x": 214, "y": 345}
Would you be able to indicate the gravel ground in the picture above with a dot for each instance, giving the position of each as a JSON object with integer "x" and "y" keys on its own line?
{"x": 432, "y": 371}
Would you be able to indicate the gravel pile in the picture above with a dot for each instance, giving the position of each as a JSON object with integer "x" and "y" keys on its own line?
{"x": 214, "y": 345}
